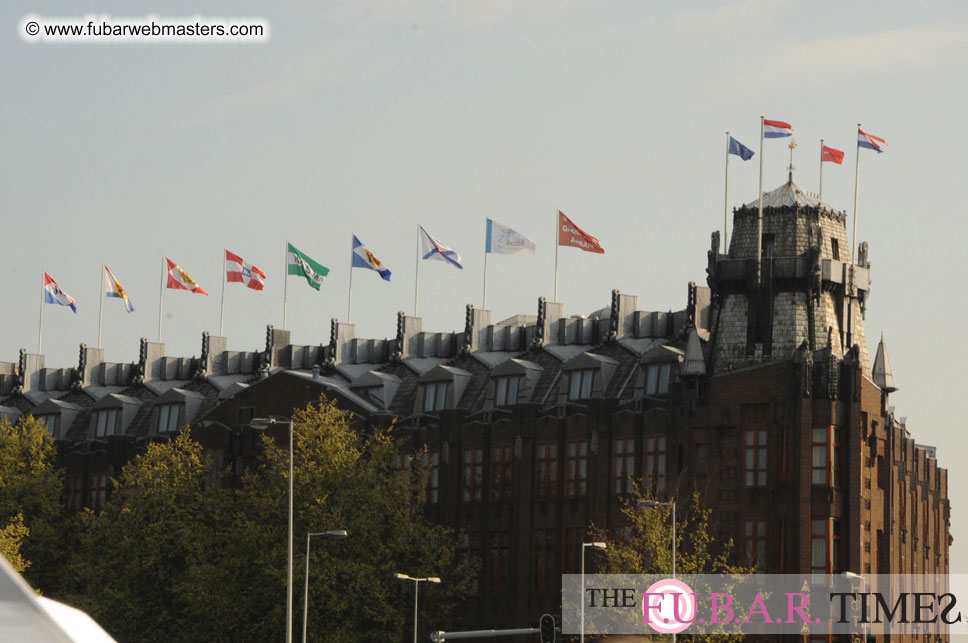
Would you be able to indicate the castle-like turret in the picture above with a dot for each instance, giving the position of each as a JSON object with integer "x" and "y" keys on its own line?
{"x": 807, "y": 292}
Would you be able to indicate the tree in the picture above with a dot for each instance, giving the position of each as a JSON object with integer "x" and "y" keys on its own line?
{"x": 342, "y": 480}
{"x": 648, "y": 548}
{"x": 31, "y": 514}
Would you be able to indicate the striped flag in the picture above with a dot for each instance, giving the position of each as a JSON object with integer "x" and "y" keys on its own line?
{"x": 54, "y": 295}
{"x": 303, "y": 265}
{"x": 178, "y": 279}
{"x": 870, "y": 141}
{"x": 113, "y": 289}
{"x": 776, "y": 129}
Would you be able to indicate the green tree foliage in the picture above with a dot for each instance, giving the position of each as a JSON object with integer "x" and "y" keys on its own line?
{"x": 31, "y": 514}
{"x": 648, "y": 549}
{"x": 173, "y": 557}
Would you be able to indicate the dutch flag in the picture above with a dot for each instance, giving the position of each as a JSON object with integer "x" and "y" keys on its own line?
{"x": 870, "y": 141}
{"x": 776, "y": 129}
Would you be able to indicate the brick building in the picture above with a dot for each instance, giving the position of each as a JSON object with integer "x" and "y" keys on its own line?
{"x": 759, "y": 393}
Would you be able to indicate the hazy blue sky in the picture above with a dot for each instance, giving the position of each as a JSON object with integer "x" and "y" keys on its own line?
{"x": 372, "y": 117}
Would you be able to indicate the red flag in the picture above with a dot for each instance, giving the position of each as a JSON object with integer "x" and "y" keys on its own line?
{"x": 571, "y": 235}
{"x": 238, "y": 271}
{"x": 831, "y": 155}
{"x": 178, "y": 279}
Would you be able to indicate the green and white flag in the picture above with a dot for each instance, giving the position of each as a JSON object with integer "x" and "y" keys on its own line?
{"x": 301, "y": 264}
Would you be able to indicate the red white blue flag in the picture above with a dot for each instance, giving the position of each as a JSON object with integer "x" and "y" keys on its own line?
{"x": 54, "y": 295}
{"x": 776, "y": 129}
{"x": 870, "y": 141}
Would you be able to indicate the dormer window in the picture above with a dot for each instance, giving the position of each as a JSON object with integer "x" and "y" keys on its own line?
{"x": 435, "y": 396}
{"x": 105, "y": 422}
{"x": 580, "y": 384}
{"x": 657, "y": 379}
{"x": 51, "y": 421}
{"x": 168, "y": 418}
{"x": 506, "y": 390}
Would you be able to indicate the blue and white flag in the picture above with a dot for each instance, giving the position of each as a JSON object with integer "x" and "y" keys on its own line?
{"x": 740, "y": 150}
{"x": 502, "y": 240}
{"x": 433, "y": 249}
{"x": 363, "y": 258}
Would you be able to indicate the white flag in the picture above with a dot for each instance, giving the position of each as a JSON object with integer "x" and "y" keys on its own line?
{"x": 502, "y": 240}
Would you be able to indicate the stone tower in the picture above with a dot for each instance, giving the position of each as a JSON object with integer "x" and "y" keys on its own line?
{"x": 806, "y": 293}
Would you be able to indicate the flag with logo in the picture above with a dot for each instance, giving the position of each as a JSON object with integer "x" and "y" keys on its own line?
{"x": 239, "y": 271}
{"x": 740, "y": 150}
{"x": 571, "y": 235}
{"x": 502, "y": 240}
{"x": 178, "y": 279}
{"x": 301, "y": 264}
{"x": 363, "y": 258}
{"x": 434, "y": 249}
{"x": 112, "y": 288}
{"x": 830, "y": 155}
{"x": 54, "y": 295}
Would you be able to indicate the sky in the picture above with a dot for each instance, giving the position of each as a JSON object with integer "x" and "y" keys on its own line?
{"x": 371, "y": 117}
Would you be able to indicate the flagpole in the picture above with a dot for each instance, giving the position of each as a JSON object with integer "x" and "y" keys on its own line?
{"x": 726, "y": 203}
{"x": 557, "y": 232}
{"x": 416, "y": 278}
{"x": 853, "y": 244}
{"x": 487, "y": 239}
{"x": 349, "y": 303}
{"x": 285, "y": 287}
{"x": 100, "y": 307}
{"x": 820, "y": 194}
{"x": 40, "y": 327}
{"x": 221, "y": 315}
{"x": 161, "y": 294}
{"x": 759, "y": 217}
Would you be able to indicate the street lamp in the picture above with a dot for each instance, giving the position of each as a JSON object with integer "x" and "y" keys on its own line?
{"x": 416, "y": 592}
{"x": 672, "y": 503}
{"x": 261, "y": 424}
{"x": 596, "y": 545}
{"x": 336, "y": 533}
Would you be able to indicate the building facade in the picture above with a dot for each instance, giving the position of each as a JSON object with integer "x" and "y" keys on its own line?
{"x": 759, "y": 393}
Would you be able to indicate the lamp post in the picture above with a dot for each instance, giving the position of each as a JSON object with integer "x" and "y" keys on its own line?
{"x": 416, "y": 593}
{"x": 672, "y": 504}
{"x": 261, "y": 424}
{"x": 336, "y": 533}
{"x": 584, "y": 546}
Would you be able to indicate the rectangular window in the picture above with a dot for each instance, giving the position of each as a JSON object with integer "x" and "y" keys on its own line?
{"x": 473, "y": 475}
{"x": 168, "y": 417}
{"x": 501, "y": 473}
{"x": 623, "y": 464}
{"x": 754, "y": 537}
{"x": 431, "y": 475}
{"x": 702, "y": 459}
{"x": 543, "y": 560}
{"x": 401, "y": 464}
{"x": 655, "y": 463}
{"x": 499, "y": 561}
{"x": 755, "y": 463}
{"x": 657, "y": 379}
{"x": 51, "y": 421}
{"x": 435, "y": 396}
{"x": 576, "y": 469}
{"x": 825, "y": 457}
{"x": 571, "y": 559}
{"x": 506, "y": 390}
{"x": 468, "y": 554}
{"x": 106, "y": 421}
{"x": 97, "y": 488}
{"x": 546, "y": 469}
{"x": 75, "y": 494}
{"x": 825, "y": 537}
{"x": 581, "y": 384}
{"x": 835, "y": 248}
